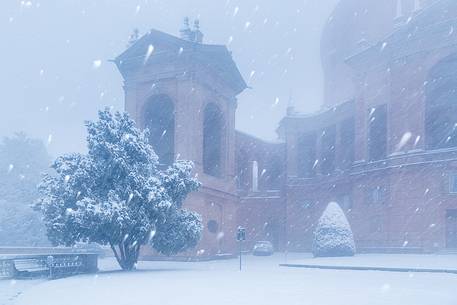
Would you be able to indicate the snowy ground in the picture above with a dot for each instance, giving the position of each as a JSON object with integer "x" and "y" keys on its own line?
{"x": 11, "y": 289}
{"x": 431, "y": 261}
{"x": 261, "y": 282}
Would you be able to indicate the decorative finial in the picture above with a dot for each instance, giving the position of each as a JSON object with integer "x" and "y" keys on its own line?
{"x": 186, "y": 23}
{"x": 198, "y": 35}
{"x": 133, "y": 37}
{"x": 192, "y": 35}
{"x": 290, "y": 104}
{"x": 186, "y": 32}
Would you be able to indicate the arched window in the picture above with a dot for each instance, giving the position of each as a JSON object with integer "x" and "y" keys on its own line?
{"x": 213, "y": 124}
{"x": 159, "y": 118}
{"x": 441, "y": 105}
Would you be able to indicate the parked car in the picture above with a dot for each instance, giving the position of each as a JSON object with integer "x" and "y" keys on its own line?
{"x": 263, "y": 248}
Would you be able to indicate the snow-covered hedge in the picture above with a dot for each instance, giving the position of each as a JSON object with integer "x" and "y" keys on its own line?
{"x": 333, "y": 234}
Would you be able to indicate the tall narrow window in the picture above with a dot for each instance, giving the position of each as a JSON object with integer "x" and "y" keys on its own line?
{"x": 441, "y": 105}
{"x": 159, "y": 118}
{"x": 346, "y": 144}
{"x": 377, "y": 133}
{"x": 328, "y": 150}
{"x": 213, "y": 124}
{"x": 306, "y": 155}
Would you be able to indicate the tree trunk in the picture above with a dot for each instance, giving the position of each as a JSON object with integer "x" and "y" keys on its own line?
{"x": 127, "y": 256}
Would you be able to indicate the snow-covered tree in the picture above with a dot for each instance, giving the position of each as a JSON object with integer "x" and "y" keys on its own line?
{"x": 22, "y": 160}
{"x": 116, "y": 194}
{"x": 333, "y": 234}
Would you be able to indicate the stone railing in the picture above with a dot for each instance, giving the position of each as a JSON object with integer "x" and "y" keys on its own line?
{"x": 50, "y": 265}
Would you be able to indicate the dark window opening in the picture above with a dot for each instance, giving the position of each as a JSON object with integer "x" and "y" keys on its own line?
{"x": 347, "y": 142}
{"x": 441, "y": 118}
{"x": 377, "y": 133}
{"x": 441, "y": 105}
{"x": 306, "y": 159}
{"x": 160, "y": 120}
{"x": 377, "y": 195}
{"x": 328, "y": 140}
{"x": 212, "y": 226}
{"x": 212, "y": 140}
{"x": 271, "y": 175}
{"x": 453, "y": 183}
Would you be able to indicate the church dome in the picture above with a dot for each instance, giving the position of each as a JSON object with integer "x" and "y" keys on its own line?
{"x": 354, "y": 25}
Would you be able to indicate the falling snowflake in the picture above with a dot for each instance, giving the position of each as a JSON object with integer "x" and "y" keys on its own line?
{"x": 235, "y": 11}
{"x": 97, "y": 64}
{"x": 404, "y": 140}
{"x": 149, "y": 53}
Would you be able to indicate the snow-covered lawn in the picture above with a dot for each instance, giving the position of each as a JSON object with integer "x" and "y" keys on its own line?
{"x": 261, "y": 282}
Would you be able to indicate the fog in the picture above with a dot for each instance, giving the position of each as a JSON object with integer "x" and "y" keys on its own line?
{"x": 56, "y": 71}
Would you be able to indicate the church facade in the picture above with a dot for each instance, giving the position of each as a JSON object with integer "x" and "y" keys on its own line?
{"x": 185, "y": 93}
{"x": 383, "y": 145}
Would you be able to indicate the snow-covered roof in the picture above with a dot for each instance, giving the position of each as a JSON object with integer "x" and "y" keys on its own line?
{"x": 168, "y": 47}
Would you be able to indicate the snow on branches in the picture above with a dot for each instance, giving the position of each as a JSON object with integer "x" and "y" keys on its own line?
{"x": 116, "y": 195}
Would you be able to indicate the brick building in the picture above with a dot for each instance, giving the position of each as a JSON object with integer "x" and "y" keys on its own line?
{"x": 383, "y": 145}
{"x": 385, "y": 148}
{"x": 185, "y": 92}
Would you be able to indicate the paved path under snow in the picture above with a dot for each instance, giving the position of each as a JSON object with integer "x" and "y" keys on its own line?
{"x": 261, "y": 282}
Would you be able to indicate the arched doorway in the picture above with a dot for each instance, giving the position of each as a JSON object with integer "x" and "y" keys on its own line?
{"x": 213, "y": 125}
{"x": 159, "y": 118}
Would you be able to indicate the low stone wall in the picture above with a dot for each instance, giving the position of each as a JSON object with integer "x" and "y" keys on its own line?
{"x": 27, "y": 262}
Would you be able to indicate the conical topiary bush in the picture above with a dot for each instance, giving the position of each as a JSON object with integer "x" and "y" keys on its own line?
{"x": 333, "y": 234}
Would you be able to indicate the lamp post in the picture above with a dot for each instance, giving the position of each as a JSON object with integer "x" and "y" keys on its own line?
{"x": 240, "y": 237}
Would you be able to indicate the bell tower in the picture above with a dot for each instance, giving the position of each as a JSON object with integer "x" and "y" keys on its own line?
{"x": 184, "y": 92}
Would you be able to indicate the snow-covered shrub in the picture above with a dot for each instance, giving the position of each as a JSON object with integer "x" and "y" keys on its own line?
{"x": 116, "y": 195}
{"x": 22, "y": 160}
{"x": 333, "y": 235}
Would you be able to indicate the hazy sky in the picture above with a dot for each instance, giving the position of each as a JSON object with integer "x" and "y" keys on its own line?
{"x": 50, "y": 84}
